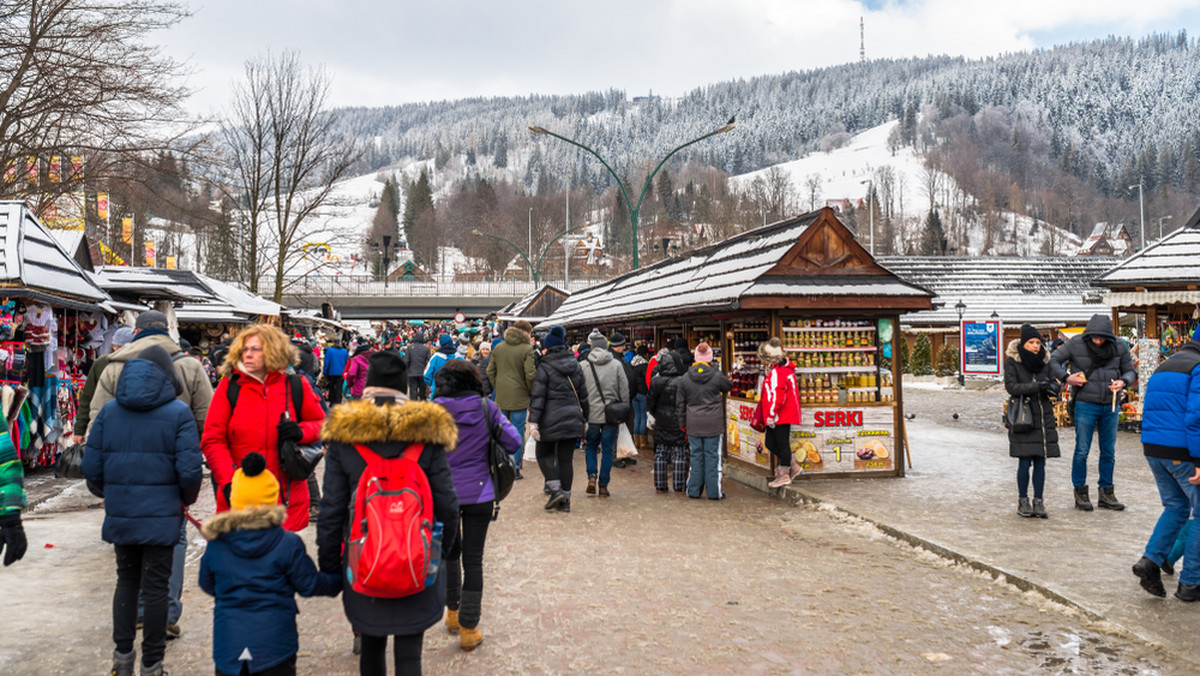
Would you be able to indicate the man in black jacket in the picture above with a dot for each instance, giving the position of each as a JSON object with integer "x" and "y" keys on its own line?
{"x": 417, "y": 356}
{"x": 1101, "y": 367}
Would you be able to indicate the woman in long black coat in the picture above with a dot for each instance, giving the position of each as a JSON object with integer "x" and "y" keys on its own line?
{"x": 558, "y": 411}
{"x": 670, "y": 443}
{"x": 1027, "y": 374}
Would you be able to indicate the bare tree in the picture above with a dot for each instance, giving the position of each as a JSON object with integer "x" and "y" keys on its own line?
{"x": 291, "y": 161}
{"x": 931, "y": 183}
{"x": 82, "y": 79}
{"x": 813, "y": 184}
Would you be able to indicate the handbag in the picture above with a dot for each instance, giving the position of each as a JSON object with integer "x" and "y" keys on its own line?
{"x": 1018, "y": 414}
{"x": 501, "y": 465}
{"x": 614, "y": 413}
{"x": 69, "y": 464}
{"x": 298, "y": 461}
{"x": 756, "y": 419}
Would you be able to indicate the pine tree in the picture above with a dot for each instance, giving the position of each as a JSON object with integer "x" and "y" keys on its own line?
{"x": 947, "y": 361}
{"x": 419, "y": 200}
{"x": 933, "y": 241}
{"x": 922, "y": 359}
{"x": 501, "y": 154}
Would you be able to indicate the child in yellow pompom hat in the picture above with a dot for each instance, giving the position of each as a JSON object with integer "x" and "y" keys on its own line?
{"x": 254, "y": 569}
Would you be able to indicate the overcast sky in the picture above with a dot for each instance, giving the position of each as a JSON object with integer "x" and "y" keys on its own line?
{"x": 383, "y": 52}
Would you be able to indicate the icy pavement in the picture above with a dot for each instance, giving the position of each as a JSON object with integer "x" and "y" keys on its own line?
{"x": 644, "y": 583}
{"x": 959, "y": 500}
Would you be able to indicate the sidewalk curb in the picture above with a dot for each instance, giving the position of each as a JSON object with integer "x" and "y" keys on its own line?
{"x": 799, "y": 495}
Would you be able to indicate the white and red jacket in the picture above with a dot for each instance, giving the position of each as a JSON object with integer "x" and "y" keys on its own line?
{"x": 229, "y": 436}
{"x": 780, "y": 396}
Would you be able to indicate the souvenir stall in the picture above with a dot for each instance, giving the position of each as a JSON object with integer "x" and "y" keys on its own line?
{"x": 807, "y": 281}
{"x": 54, "y": 320}
{"x": 1159, "y": 289}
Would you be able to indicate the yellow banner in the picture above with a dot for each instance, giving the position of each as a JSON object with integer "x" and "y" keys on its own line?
{"x": 10, "y": 171}
{"x": 76, "y": 168}
{"x": 55, "y": 168}
{"x": 170, "y": 262}
{"x": 127, "y": 230}
{"x": 31, "y": 170}
{"x": 110, "y": 256}
{"x": 102, "y": 205}
{"x": 149, "y": 253}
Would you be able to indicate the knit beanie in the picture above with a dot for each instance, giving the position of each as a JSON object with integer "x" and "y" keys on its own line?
{"x": 1029, "y": 333}
{"x": 771, "y": 351}
{"x": 122, "y": 336}
{"x": 704, "y": 353}
{"x": 462, "y": 352}
{"x": 597, "y": 340}
{"x": 617, "y": 339}
{"x": 253, "y": 485}
{"x": 445, "y": 340}
{"x": 556, "y": 337}
{"x": 681, "y": 345}
{"x": 387, "y": 369}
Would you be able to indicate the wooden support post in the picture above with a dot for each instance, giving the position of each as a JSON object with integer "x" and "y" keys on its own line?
{"x": 1152, "y": 322}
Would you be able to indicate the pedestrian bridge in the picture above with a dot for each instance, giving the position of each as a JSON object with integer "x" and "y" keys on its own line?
{"x": 365, "y": 297}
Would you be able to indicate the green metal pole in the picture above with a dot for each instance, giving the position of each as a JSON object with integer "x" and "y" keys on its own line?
{"x": 551, "y": 243}
{"x": 527, "y": 261}
{"x": 633, "y": 210}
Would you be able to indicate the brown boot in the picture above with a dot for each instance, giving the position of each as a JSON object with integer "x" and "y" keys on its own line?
{"x": 795, "y": 470}
{"x": 469, "y": 639}
{"x": 452, "y": 621}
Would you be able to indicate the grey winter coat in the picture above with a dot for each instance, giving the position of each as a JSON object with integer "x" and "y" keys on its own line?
{"x": 1042, "y": 440}
{"x": 1075, "y": 353}
{"x": 612, "y": 381}
{"x": 699, "y": 406}
{"x": 418, "y": 357}
{"x": 553, "y": 406}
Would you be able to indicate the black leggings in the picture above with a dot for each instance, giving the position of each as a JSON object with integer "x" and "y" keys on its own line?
{"x": 556, "y": 460}
{"x": 407, "y": 651}
{"x": 1039, "y": 476}
{"x": 466, "y": 556}
{"x": 778, "y": 440}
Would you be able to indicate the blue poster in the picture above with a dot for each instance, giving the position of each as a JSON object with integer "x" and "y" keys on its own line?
{"x": 981, "y": 347}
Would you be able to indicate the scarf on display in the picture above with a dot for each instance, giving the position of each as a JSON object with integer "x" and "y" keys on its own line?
{"x": 42, "y": 316}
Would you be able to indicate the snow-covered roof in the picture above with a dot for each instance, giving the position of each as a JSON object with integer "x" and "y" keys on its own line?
{"x": 520, "y": 309}
{"x": 1041, "y": 290}
{"x": 31, "y": 258}
{"x": 230, "y": 299}
{"x": 1173, "y": 261}
{"x": 153, "y": 283}
{"x": 722, "y": 276}
{"x": 1114, "y": 235}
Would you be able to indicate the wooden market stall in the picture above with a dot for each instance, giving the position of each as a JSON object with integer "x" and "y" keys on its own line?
{"x": 1160, "y": 288}
{"x": 535, "y": 306}
{"x": 807, "y": 281}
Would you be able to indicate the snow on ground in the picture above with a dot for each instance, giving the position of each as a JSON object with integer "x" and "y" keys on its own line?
{"x": 845, "y": 173}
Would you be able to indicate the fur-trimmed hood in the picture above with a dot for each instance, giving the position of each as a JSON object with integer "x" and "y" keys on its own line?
{"x": 1015, "y": 343}
{"x": 254, "y": 518}
{"x": 515, "y": 336}
{"x": 364, "y": 422}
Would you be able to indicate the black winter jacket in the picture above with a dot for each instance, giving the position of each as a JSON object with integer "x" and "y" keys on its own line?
{"x": 1075, "y": 352}
{"x": 386, "y": 430}
{"x": 558, "y": 404}
{"x": 1042, "y": 440}
{"x": 661, "y": 401}
{"x": 417, "y": 355}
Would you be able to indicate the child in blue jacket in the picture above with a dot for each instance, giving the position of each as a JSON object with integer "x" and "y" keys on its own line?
{"x": 255, "y": 568}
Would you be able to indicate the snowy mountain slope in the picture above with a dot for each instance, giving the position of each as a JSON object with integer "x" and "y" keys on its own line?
{"x": 846, "y": 173}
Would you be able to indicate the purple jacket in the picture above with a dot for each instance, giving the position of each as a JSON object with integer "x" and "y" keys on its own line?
{"x": 468, "y": 461}
{"x": 356, "y": 373}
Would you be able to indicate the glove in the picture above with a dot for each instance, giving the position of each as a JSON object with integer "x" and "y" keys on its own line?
{"x": 1050, "y": 387}
{"x": 226, "y": 490}
{"x": 533, "y": 432}
{"x": 12, "y": 536}
{"x": 289, "y": 430}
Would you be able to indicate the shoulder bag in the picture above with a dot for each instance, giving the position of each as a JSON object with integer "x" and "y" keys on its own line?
{"x": 501, "y": 465}
{"x": 1018, "y": 414}
{"x": 614, "y": 413}
{"x": 295, "y": 459}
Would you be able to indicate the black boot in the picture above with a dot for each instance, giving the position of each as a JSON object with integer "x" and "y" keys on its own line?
{"x": 1187, "y": 592}
{"x": 564, "y": 506}
{"x": 556, "y": 499}
{"x": 1023, "y": 507}
{"x": 1081, "y": 499}
{"x": 1039, "y": 509}
{"x": 1150, "y": 577}
{"x": 1109, "y": 501}
{"x": 123, "y": 663}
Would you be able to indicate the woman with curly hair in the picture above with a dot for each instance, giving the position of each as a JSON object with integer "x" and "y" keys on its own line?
{"x": 253, "y": 410}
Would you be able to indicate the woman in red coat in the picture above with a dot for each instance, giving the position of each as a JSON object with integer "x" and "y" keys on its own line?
{"x": 258, "y": 360}
{"x": 780, "y": 401}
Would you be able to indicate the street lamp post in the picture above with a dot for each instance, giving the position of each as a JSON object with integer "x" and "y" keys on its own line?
{"x": 385, "y": 256}
{"x": 960, "y": 307}
{"x": 534, "y": 272}
{"x": 1142, "y": 209}
{"x": 1160, "y": 220}
{"x": 633, "y": 209}
{"x": 871, "y": 209}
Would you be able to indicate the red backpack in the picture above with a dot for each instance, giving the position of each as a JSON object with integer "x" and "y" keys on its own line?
{"x": 395, "y": 546}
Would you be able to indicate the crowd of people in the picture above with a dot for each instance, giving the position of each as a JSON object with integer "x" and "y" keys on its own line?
{"x": 439, "y": 400}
